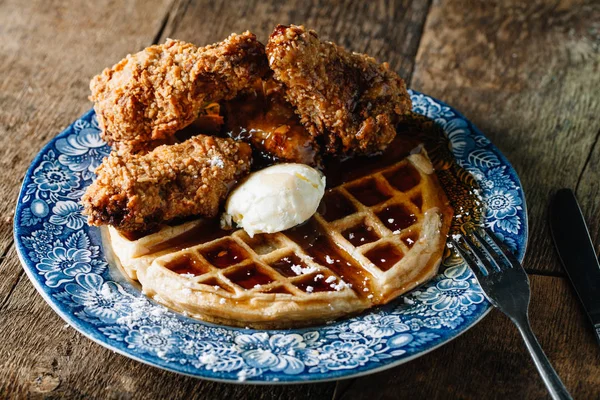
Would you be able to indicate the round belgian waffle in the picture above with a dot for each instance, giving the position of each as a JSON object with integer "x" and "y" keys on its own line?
{"x": 372, "y": 239}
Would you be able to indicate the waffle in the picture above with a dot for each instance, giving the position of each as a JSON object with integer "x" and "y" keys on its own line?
{"x": 372, "y": 239}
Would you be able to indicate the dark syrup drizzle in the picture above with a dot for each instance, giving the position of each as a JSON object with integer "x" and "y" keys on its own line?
{"x": 384, "y": 257}
{"x": 315, "y": 242}
{"x": 187, "y": 264}
{"x": 369, "y": 193}
{"x": 315, "y": 284}
{"x": 360, "y": 234}
{"x": 225, "y": 254}
{"x": 249, "y": 277}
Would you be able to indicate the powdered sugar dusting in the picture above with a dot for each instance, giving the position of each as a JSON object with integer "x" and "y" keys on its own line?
{"x": 298, "y": 270}
{"x": 217, "y": 161}
{"x": 340, "y": 285}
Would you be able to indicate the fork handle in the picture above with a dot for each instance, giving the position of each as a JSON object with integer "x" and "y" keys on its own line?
{"x": 551, "y": 379}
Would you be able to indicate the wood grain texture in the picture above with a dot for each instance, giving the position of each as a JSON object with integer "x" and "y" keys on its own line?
{"x": 588, "y": 192}
{"x": 527, "y": 74}
{"x": 490, "y": 360}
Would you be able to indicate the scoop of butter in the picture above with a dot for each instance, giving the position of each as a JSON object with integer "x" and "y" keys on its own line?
{"x": 275, "y": 198}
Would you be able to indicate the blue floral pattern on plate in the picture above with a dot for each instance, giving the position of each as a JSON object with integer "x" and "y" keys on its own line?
{"x": 64, "y": 259}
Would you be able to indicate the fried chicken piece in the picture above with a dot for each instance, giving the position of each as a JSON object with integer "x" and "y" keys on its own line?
{"x": 137, "y": 192}
{"x": 347, "y": 97}
{"x": 264, "y": 119}
{"x": 209, "y": 122}
{"x": 154, "y": 93}
{"x": 124, "y": 148}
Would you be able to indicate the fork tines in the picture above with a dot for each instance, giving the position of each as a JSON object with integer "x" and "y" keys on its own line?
{"x": 481, "y": 247}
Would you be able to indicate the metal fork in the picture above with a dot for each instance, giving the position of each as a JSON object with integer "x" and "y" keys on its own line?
{"x": 506, "y": 286}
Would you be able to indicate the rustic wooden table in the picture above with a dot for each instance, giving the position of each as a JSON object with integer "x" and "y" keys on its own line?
{"x": 526, "y": 73}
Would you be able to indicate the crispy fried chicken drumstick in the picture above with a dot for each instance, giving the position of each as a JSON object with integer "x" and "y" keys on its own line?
{"x": 347, "y": 97}
{"x": 137, "y": 192}
{"x": 154, "y": 93}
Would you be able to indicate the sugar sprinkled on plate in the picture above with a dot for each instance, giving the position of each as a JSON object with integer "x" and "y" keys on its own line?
{"x": 208, "y": 359}
{"x": 241, "y": 376}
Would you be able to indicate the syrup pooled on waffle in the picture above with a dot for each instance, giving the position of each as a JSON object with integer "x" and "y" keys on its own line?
{"x": 373, "y": 238}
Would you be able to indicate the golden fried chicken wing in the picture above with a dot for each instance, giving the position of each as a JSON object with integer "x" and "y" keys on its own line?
{"x": 349, "y": 98}
{"x": 263, "y": 118}
{"x": 154, "y": 93}
{"x": 137, "y": 192}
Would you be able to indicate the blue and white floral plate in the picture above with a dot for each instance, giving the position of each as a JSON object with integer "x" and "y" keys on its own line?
{"x": 64, "y": 259}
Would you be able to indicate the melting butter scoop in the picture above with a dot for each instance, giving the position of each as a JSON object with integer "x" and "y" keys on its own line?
{"x": 274, "y": 199}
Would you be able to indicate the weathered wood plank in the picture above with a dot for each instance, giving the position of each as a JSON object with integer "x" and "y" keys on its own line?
{"x": 527, "y": 74}
{"x": 490, "y": 361}
{"x": 588, "y": 193}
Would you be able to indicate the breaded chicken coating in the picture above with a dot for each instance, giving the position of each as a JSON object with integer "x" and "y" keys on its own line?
{"x": 154, "y": 93}
{"x": 137, "y": 192}
{"x": 349, "y": 98}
